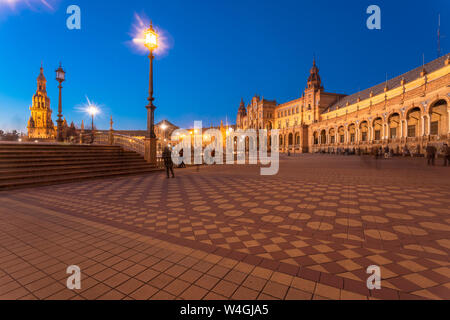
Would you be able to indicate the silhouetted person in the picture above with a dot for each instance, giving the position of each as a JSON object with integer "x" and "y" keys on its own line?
{"x": 431, "y": 154}
{"x": 446, "y": 154}
{"x": 386, "y": 152}
{"x": 168, "y": 163}
{"x": 182, "y": 164}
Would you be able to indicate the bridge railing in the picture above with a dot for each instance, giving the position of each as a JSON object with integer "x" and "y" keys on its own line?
{"x": 126, "y": 142}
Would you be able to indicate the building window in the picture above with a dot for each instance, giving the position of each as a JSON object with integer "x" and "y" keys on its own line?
{"x": 434, "y": 128}
{"x": 332, "y": 139}
{"x": 377, "y": 135}
{"x": 411, "y": 131}
{"x": 342, "y": 138}
{"x": 393, "y": 133}
{"x": 364, "y": 136}
{"x": 352, "y": 137}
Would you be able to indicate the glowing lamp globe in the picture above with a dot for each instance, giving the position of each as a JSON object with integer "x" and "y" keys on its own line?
{"x": 151, "y": 38}
{"x": 92, "y": 110}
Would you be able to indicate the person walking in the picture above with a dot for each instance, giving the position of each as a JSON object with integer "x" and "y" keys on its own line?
{"x": 168, "y": 163}
{"x": 431, "y": 154}
{"x": 446, "y": 154}
{"x": 182, "y": 164}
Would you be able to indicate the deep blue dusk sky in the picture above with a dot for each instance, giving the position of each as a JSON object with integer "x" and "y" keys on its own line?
{"x": 220, "y": 51}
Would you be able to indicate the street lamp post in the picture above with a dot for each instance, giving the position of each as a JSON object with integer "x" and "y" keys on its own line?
{"x": 60, "y": 77}
{"x": 151, "y": 42}
{"x": 93, "y": 110}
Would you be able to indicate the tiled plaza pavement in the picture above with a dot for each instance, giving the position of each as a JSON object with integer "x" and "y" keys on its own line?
{"x": 226, "y": 232}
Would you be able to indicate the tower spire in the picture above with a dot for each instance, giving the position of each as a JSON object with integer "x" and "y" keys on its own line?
{"x": 314, "y": 80}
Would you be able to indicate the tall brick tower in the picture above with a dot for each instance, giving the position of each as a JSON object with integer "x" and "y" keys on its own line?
{"x": 40, "y": 125}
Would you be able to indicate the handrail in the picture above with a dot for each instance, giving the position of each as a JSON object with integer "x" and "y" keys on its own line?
{"x": 126, "y": 142}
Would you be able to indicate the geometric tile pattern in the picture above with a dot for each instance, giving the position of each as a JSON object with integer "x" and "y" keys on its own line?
{"x": 322, "y": 219}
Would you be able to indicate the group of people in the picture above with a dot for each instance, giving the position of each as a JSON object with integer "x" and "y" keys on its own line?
{"x": 377, "y": 152}
{"x": 381, "y": 152}
{"x": 432, "y": 153}
{"x": 387, "y": 152}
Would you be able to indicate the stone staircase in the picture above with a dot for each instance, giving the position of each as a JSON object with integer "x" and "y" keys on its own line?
{"x": 28, "y": 165}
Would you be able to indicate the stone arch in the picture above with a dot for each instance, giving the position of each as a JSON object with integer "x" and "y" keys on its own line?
{"x": 323, "y": 136}
{"x": 332, "y": 135}
{"x": 413, "y": 119}
{"x": 352, "y": 133}
{"x": 364, "y": 131}
{"x": 394, "y": 125}
{"x": 341, "y": 134}
{"x": 297, "y": 138}
{"x": 438, "y": 117}
{"x": 316, "y": 137}
{"x": 377, "y": 125}
{"x": 290, "y": 139}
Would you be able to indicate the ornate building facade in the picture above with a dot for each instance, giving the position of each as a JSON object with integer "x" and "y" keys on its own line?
{"x": 40, "y": 125}
{"x": 410, "y": 110}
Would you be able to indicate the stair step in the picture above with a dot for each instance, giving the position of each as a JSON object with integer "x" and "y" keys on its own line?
{"x": 78, "y": 165}
{"x": 39, "y": 174}
{"x": 75, "y": 158}
{"x": 68, "y": 154}
{"x": 49, "y": 164}
{"x": 16, "y": 184}
{"x": 27, "y": 165}
{"x": 4, "y": 147}
{"x": 40, "y": 152}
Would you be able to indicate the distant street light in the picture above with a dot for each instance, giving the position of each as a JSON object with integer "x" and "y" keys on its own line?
{"x": 60, "y": 77}
{"x": 93, "y": 111}
{"x": 151, "y": 42}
